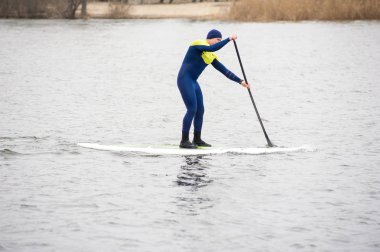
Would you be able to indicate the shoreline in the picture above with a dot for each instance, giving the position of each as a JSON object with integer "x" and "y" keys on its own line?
{"x": 240, "y": 11}
{"x": 196, "y": 11}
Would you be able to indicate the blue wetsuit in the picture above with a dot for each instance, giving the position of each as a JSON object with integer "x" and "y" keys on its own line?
{"x": 199, "y": 55}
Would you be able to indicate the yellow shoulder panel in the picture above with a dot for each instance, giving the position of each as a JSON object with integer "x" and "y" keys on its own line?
{"x": 200, "y": 42}
{"x": 208, "y": 57}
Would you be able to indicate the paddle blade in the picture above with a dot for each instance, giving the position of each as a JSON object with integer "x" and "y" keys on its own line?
{"x": 270, "y": 144}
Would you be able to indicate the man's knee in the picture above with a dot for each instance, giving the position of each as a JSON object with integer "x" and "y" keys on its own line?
{"x": 192, "y": 110}
{"x": 200, "y": 110}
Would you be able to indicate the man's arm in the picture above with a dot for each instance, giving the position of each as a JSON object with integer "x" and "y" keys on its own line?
{"x": 214, "y": 47}
{"x": 221, "y": 68}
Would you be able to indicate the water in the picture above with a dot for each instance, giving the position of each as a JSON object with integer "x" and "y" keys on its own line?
{"x": 114, "y": 82}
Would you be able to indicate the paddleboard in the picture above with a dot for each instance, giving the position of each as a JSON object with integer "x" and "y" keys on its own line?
{"x": 175, "y": 150}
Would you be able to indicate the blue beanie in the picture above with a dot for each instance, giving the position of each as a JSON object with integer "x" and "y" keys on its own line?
{"x": 214, "y": 34}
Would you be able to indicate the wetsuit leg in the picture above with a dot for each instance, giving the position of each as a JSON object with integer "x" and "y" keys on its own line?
{"x": 198, "y": 119}
{"x": 187, "y": 89}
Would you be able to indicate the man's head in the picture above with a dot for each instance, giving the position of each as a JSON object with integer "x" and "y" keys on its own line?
{"x": 214, "y": 36}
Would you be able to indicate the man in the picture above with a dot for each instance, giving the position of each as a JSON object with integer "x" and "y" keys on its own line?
{"x": 199, "y": 55}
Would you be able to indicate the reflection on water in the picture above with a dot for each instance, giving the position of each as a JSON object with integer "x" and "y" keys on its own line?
{"x": 193, "y": 173}
{"x": 193, "y": 176}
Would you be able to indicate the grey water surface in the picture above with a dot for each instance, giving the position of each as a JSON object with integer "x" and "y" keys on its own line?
{"x": 114, "y": 81}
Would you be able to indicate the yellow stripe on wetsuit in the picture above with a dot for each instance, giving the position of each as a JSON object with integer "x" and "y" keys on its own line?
{"x": 208, "y": 57}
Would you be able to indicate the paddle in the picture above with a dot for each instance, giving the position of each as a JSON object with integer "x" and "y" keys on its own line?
{"x": 270, "y": 144}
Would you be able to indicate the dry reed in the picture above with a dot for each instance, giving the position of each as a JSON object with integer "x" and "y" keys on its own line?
{"x": 296, "y": 10}
{"x": 118, "y": 10}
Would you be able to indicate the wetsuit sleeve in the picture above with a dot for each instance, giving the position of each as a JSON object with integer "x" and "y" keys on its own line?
{"x": 214, "y": 47}
{"x": 221, "y": 68}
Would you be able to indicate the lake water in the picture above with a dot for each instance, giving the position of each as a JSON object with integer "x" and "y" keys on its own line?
{"x": 114, "y": 81}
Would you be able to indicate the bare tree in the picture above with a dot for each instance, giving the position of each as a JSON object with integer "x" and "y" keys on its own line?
{"x": 72, "y": 7}
{"x": 84, "y": 8}
{"x": 4, "y": 8}
{"x": 41, "y": 8}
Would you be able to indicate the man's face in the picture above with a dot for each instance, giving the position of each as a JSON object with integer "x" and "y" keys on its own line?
{"x": 214, "y": 40}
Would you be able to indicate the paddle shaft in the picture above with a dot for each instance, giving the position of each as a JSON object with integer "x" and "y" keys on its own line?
{"x": 253, "y": 102}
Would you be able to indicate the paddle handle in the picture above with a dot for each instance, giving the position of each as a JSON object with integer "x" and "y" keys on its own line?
{"x": 250, "y": 95}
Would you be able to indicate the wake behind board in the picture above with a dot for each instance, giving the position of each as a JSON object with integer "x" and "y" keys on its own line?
{"x": 175, "y": 150}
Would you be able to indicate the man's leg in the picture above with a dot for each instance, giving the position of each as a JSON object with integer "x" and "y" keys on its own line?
{"x": 198, "y": 119}
{"x": 187, "y": 91}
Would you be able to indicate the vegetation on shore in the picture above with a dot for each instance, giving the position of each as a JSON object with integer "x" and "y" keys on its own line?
{"x": 40, "y": 8}
{"x": 241, "y": 10}
{"x": 297, "y": 10}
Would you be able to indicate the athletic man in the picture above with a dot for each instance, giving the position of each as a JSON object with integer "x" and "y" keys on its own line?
{"x": 198, "y": 56}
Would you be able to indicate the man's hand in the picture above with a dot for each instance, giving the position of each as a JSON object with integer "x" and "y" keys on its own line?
{"x": 233, "y": 37}
{"x": 245, "y": 84}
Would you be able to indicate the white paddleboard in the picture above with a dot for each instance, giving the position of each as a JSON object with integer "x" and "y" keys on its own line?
{"x": 171, "y": 150}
